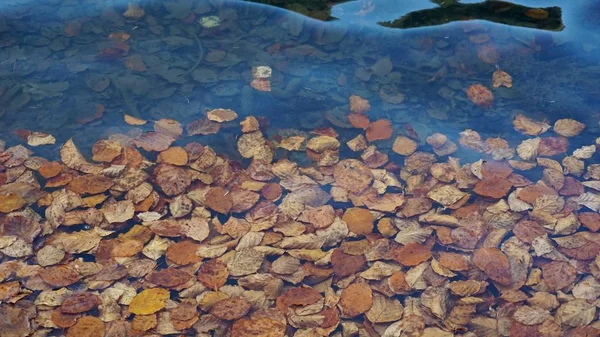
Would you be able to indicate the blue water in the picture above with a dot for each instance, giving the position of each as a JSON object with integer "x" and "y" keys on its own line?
{"x": 50, "y": 80}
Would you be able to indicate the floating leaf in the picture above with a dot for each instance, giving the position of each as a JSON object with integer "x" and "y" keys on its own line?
{"x": 568, "y": 127}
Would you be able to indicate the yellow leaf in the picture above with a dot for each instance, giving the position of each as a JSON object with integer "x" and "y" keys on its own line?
{"x": 11, "y": 202}
{"x": 149, "y": 301}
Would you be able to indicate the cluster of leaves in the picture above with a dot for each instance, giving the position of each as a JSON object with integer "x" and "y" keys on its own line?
{"x": 148, "y": 238}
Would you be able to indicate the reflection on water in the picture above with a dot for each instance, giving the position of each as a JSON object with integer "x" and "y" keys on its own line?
{"x": 71, "y": 68}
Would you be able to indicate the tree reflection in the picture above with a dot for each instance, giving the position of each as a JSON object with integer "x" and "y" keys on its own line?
{"x": 547, "y": 18}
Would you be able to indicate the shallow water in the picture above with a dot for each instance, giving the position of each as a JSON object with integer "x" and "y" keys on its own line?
{"x": 52, "y": 79}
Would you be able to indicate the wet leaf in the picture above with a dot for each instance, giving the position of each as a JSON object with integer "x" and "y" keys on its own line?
{"x": 480, "y": 95}
{"x": 359, "y": 120}
{"x": 222, "y": 115}
{"x": 11, "y": 202}
{"x": 213, "y": 274}
{"x": 345, "y": 264}
{"x": 231, "y": 309}
{"x": 259, "y": 327}
{"x": 501, "y": 78}
{"x": 87, "y": 326}
{"x": 106, "y": 150}
{"x": 352, "y": 175}
{"x": 568, "y": 127}
{"x": 174, "y": 155}
{"x": 359, "y": 105}
{"x": 134, "y": 120}
{"x": 149, "y": 301}
{"x": 558, "y": 274}
{"x": 494, "y": 263}
{"x": 40, "y": 138}
{"x": 79, "y": 303}
{"x": 153, "y": 141}
{"x": 404, "y": 146}
{"x": 379, "y": 130}
{"x": 359, "y": 220}
{"x": 203, "y": 126}
{"x": 384, "y": 309}
{"x": 59, "y": 276}
{"x": 356, "y": 299}
{"x": 411, "y": 254}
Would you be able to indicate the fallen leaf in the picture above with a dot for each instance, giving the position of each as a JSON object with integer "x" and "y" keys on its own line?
{"x": 11, "y": 202}
{"x": 213, "y": 274}
{"x": 40, "y": 138}
{"x": 568, "y": 127}
{"x": 134, "y": 120}
{"x": 494, "y": 263}
{"x": 501, "y": 78}
{"x": 359, "y": 105}
{"x": 356, "y": 299}
{"x": 352, "y": 175}
{"x": 379, "y": 130}
{"x": 359, "y": 220}
{"x": 480, "y": 95}
{"x": 222, "y": 115}
{"x": 149, "y": 301}
{"x": 203, "y": 126}
{"x": 231, "y": 309}
{"x": 87, "y": 326}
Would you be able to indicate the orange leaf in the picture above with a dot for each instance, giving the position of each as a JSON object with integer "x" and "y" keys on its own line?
{"x": 358, "y": 120}
{"x": 379, "y": 130}
{"x": 213, "y": 274}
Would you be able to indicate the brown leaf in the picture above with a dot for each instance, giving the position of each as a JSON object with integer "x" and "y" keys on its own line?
{"x": 411, "y": 254}
{"x": 168, "y": 127}
{"x": 345, "y": 264}
{"x": 80, "y": 302}
{"x": 133, "y": 120}
{"x": 352, "y": 175}
{"x": 259, "y": 327}
{"x": 219, "y": 200}
{"x": 404, "y": 146}
{"x": 171, "y": 179}
{"x": 106, "y": 150}
{"x": 90, "y": 184}
{"x": 149, "y": 301}
{"x": 174, "y": 155}
{"x": 558, "y": 275}
{"x": 183, "y": 252}
{"x": 496, "y": 188}
{"x": 59, "y": 276}
{"x": 50, "y": 169}
{"x": 552, "y": 146}
{"x": 297, "y": 297}
{"x": 169, "y": 278}
{"x": 359, "y": 120}
{"x": 494, "y": 263}
{"x": 87, "y": 326}
{"x": 359, "y": 220}
{"x": 203, "y": 127}
{"x": 356, "y": 299}
{"x": 153, "y": 141}
{"x": 231, "y": 308}
{"x": 213, "y": 274}
{"x": 453, "y": 261}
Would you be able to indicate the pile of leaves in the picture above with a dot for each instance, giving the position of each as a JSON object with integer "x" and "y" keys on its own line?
{"x": 150, "y": 238}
